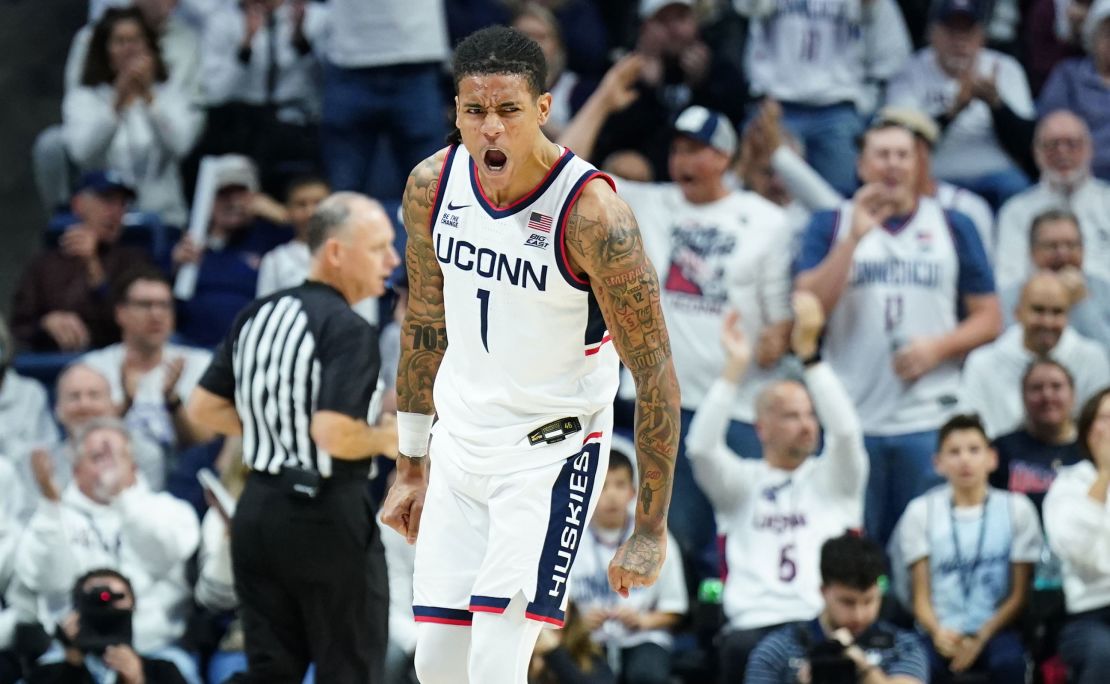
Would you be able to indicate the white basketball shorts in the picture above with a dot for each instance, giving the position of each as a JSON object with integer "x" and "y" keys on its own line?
{"x": 485, "y": 538}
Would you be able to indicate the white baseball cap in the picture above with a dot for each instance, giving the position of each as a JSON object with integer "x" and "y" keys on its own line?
{"x": 709, "y": 127}
{"x": 648, "y": 8}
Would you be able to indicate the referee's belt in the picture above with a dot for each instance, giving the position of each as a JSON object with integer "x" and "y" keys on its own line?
{"x": 555, "y": 431}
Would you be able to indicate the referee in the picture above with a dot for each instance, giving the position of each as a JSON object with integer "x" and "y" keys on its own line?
{"x": 297, "y": 378}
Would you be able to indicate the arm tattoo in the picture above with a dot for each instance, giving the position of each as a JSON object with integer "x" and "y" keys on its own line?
{"x": 604, "y": 242}
{"x": 424, "y": 331}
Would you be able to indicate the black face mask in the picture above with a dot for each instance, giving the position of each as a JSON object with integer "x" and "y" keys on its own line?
{"x": 102, "y": 623}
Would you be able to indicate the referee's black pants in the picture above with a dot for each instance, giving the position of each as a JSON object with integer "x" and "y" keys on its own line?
{"x": 311, "y": 580}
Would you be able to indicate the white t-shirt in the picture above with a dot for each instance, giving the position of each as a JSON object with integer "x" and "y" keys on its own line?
{"x": 1078, "y": 530}
{"x": 970, "y": 551}
{"x": 822, "y": 52}
{"x": 991, "y": 380}
{"x": 775, "y": 521}
{"x": 589, "y": 588}
{"x": 25, "y": 417}
{"x": 732, "y": 253}
{"x": 1090, "y": 203}
{"x": 371, "y": 33}
{"x": 148, "y": 414}
{"x": 969, "y": 147}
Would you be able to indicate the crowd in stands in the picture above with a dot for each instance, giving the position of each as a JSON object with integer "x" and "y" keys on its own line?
{"x": 882, "y": 230}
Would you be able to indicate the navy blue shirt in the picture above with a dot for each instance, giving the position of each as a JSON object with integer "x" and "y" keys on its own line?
{"x": 1028, "y": 465}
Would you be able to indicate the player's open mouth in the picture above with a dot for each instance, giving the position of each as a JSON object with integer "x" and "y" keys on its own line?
{"x": 495, "y": 160}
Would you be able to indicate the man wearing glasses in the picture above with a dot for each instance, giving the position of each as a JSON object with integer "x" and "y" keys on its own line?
{"x": 149, "y": 376}
{"x": 1063, "y": 151}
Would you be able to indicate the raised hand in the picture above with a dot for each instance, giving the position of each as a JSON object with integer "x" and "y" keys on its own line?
{"x": 43, "y": 469}
{"x": 738, "y": 350}
{"x": 809, "y": 321}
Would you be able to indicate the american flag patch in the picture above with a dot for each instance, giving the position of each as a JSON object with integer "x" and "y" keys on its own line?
{"x": 540, "y": 222}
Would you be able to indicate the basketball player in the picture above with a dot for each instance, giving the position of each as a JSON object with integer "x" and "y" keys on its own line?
{"x": 893, "y": 269}
{"x": 527, "y": 279}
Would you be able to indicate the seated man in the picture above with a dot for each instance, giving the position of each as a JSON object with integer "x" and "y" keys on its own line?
{"x": 64, "y": 301}
{"x": 992, "y": 374}
{"x": 855, "y": 645}
{"x": 108, "y": 518}
{"x": 98, "y": 637}
{"x": 1056, "y": 244}
{"x": 969, "y": 550}
{"x": 150, "y": 376}
{"x": 1062, "y": 149}
{"x": 776, "y": 512}
{"x": 639, "y": 628}
{"x": 1030, "y": 457}
{"x": 227, "y": 277}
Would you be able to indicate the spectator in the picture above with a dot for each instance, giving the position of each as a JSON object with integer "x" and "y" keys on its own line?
{"x": 713, "y": 247}
{"x": 126, "y": 114}
{"x": 178, "y": 45}
{"x": 992, "y": 373}
{"x": 1056, "y": 244}
{"x": 678, "y": 69}
{"x": 969, "y": 551}
{"x": 63, "y": 302}
{"x": 862, "y": 648}
{"x": 1077, "y": 524}
{"x": 25, "y": 420}
{"x": 103, "y": 607}
{"x": 381, "y": 84}
{"x": 262, "y": 85}
{"x": 148, "y": 375}
{"x": 777, "y": 512}
{"x": 1082, "y": 86}
{"x": 1030, "y": 457}
{"x": 822, "y": 65}
{"x": 10, "y": 530}
{"x": 1053, "y": 31}
{"x": 229, "y": 260}
{"x": 568, "y": 655}
{"x": 180, "y": 51}
{"x": 636, "y": 630}
{"x": 108, "y": 518}
{"x": 979, "y": 98}
{"x": 818, "y": 195}
{"x": 892, "y": 268}
{"x": 568, "y": 89}
{"x": 1062, "y": 149}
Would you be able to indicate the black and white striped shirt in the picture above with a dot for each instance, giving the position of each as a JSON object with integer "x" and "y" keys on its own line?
{"x": 289, "y": 355}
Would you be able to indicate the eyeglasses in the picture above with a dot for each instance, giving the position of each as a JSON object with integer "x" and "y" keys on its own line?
{"x": 1058, "y": 245}
{"x": 1067, "y": 144}
{"x": 148, "y": 305}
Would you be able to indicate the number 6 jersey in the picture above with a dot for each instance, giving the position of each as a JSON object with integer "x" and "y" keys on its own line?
{"x": 527, "y": 343}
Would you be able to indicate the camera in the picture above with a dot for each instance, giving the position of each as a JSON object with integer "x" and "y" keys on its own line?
{"x": 102, "y": 623}
{"x": 828, "y": 664}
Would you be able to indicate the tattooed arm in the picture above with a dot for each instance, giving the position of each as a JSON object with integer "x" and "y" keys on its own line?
{"x": 603, "y": 242}
{"x": 423, "y": 342}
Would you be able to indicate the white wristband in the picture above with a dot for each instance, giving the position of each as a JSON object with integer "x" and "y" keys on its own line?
{"x": 413, "y": 432}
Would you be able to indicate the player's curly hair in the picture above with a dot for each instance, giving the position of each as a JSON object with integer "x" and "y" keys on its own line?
{"x": 501, "y": 50}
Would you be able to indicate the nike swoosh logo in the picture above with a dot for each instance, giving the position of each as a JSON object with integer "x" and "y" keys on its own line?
{"x": 456, "y": 207}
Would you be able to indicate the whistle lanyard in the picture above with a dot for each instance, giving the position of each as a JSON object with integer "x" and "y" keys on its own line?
{"x": 967, "y": 575}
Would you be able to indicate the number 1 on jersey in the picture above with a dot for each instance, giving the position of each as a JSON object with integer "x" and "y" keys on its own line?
{"x": 483, "y": 297}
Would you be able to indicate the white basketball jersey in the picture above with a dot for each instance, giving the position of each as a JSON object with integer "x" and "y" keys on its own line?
{"x": 527, "y": 344}
{"x": 903, "y": 286}
{"x": 773, "y": 542}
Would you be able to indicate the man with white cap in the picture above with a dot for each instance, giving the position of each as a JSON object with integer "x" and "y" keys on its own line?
{"x": 228, "y": 262}
{"x": 715, "y": 249}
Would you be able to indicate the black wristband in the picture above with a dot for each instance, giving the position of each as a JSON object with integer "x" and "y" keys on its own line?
{"x": 811, "y": 361}
{"x": 173, "y": 403}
